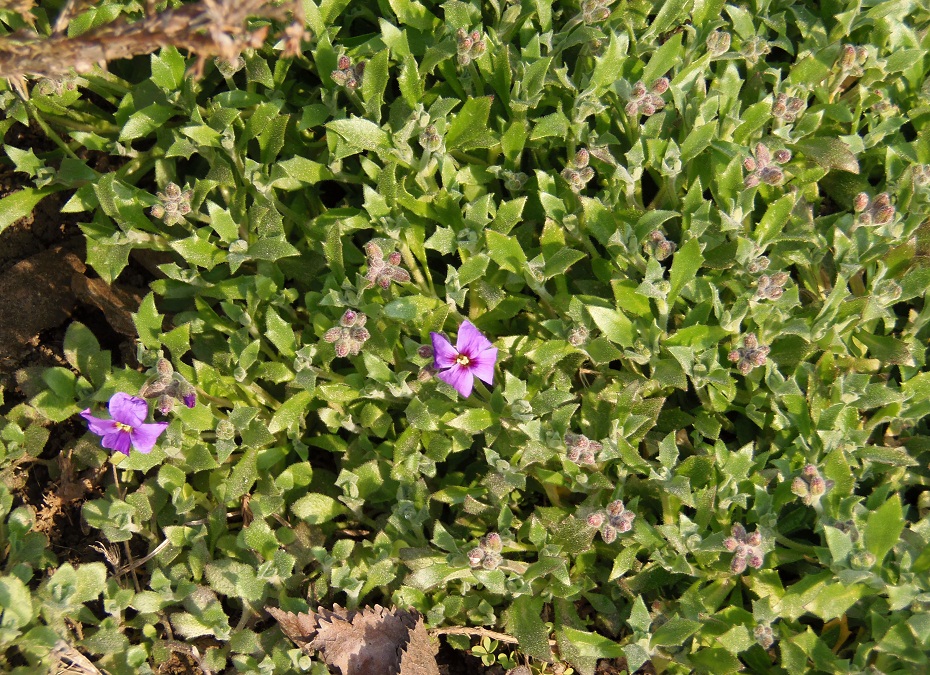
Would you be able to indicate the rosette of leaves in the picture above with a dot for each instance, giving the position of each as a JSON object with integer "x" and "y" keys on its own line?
{"x": 363, "y": 642}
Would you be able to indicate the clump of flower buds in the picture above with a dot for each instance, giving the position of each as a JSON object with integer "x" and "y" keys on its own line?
{"x": 754, "y": 49}
{"x": 810, "y": 486}
{"x": 175, "y": 203}
{"x": 762, "y": 166}
{"x": 612, "y": 520}
{"x": 578, "y": 173}
{"x": 383, "y": 271}
{"x": 718, "y": 42}
{"x": 514, "y": 180}
{"x": 581, "y": 450}
{"x": 920, "y": 173}
{"x": 647, "y": 101}
{"x": 876, "y": 211}
{"x": 469, "y": 46}
{"x": 759, "y": 264}
{"x": 167, "y": 386}
{"x": 851, "y": 60}
{"x": 595, "y": 11}
{"x": 750, "y": 355}
{"x": 577, "y": 336}
{"x": 488, "y": 552}
{"x": 350, "y": 335}
{"x": 764, "y": 635}
{"x": 430, "y": 139}
{"x": 747, "y": 549}
{"x": 771, "y": 287}
{"x": 787, "y": 108}
{"x": 660, "y": 247}
{"x": 348, "y": 75}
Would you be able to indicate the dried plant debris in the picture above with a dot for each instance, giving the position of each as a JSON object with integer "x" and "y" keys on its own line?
{"x": 370, "y": 641}
{"x": 208, "y": 28}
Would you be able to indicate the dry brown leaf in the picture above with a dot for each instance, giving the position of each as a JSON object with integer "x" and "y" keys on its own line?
{"x": 371, "y": 641}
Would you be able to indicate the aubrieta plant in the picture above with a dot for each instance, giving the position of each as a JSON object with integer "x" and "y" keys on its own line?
{"x": 404, "y": 260}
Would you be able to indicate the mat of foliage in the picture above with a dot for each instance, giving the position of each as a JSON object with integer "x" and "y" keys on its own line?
{"x": 697, "y": 236}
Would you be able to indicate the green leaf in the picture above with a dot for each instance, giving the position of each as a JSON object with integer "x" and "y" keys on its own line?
{"x": 675, "y": 632}
{"x": 21, "y": 203}
{"x": 411, "y": 87}
{"x": 243, "y": 476}
{"x": 472, "y": 421}
{"x": 198, "y": 251}
{"x": 469, "y": 124}
{"x": 505, "y": 251}
{"x": 685, "y": 264}
{"x": 374, "y": 83}
{"x": 315, "y": 508}
{"x": 883, "y": 528}
{"x": 775, "y": 218}
{"x": 524, "y": 621}
{"x": 608, "y": 66}
{"x": 222, "y": 222}
{"x": 664, "y": 58}
{"x": 148, "y": 322}
{"x": 280, "y": 333}
{"x": 592, "y": 644}
{"x": 15, "y": 603}
{"x": 830, "y": 153}
{"x": 362, "y": 133}
{"x": 669, "y": 13}
{"x": 833, "y": 600}
{"x": 168, "y": 68}
{"x": 615, "y": 326}
{"x": 291, "y": 413}
{"x": 82, "y": 351}
{"x": 143, "y": 122}
{"x": 409, "y": 307}
{"x": 24, "y": 160}
{"x": 697, "y": 140}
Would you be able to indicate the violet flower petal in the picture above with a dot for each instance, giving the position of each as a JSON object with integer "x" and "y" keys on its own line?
{"x": 145, "y": 435}
{"x": 482, "y": 365}
{"x": 98, "y": 426}
{"x": 119, "y": 441}
{"x": 128, "y": 409}
{"x": 460, "y": 378}
{"x": 443, "y": 352}
{"x": 470, "y": 341}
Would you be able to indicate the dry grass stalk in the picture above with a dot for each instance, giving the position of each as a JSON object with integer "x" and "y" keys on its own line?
{"x": 207, "y": 28}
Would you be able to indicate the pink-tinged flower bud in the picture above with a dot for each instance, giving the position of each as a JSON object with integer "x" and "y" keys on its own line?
{"x": 595, "y": 519}
{"x": 581, "y": 158}
{"x": 460, "y": 34}
{"x": 475, "y": 556}
{"x": 157, "y": 211}
{"x": 609, "y": 534}
{"x": 342, "y": 347}
{"x": 465, "y": 44}
{"x": 639, "y": 90}
{"x": 395, "y": 258}
{"x": 734, "y": 355}
{"x": 861, "y": 202}
{"x": 779, "y": 109}
{"x": 809, "y": 470}
{"x": 351, "y": 83}
{"x": 349, "y": 318}
{"x": 360, "y": 69}
{"x": 492, "y": 542}
{"x": 360, "y": 334}
{"x": 771, "y": 175}
{"x": 884, "y": 215}
{"x": 425, "y": 351}
{"x": 730, "y": 543}
{"x": 660, "y": 86}
{"x": 737, "y": 530}
{"x": 475, "y": 35}
{"x": 492, "y": 561}
{"x": 615, "y": 508}
{"x": 799, "y": 487}
{"x": 344, "y": 62}
{"x": 862, "y": 55}
{"x": 818, "y": 486}
{"x": 187, "y": 393}
{"x": 754, "y": 539}
{"x": 332, "y": 334}
{"x": 848, "y": 57}
{"x": 624, "y": 526}
{"x": 751, "y": 181}
{"x": 738, "y": 565}
{"x": 478, "y": 48}
{"x": 764, "y": 636}
{"x": 782, "y": 156}
{"x": 795, "y": 105}
{"x": 648, "y": 108}
{"x": 587, "y": 457}
{"x": 631, "y": 109}
{"x": 573, "y": 453}
{"x": 754, "y": 560}
{"x": 881, "y": 200}
{"x": 165, "y": 404}
{"x": 163, "y": 367}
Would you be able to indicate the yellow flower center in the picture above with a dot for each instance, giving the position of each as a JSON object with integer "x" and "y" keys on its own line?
{"x": 123, "y": 427}
{"x": 462, "y": 360}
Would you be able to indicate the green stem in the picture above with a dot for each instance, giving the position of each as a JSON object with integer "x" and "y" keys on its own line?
{"x": 49, "y": 131}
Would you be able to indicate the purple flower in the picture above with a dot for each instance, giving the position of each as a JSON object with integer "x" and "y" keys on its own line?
{"x": 473, "y": 356}
{"x": 127, "y": 426}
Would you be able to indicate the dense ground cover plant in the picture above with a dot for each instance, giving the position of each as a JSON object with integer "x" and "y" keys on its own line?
{"x": 695, "y": 236}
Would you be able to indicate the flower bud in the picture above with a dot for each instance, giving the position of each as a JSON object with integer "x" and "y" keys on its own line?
{"x": 848, "y": 57}
{"x": 730, "y": 543}
{"x": 492, "y": 561}
{"x": 425, "y": 351}
{"x": 799, "y": 487}
{"x": 818, "y": 486}
{"x": 225, "y": 431}
{"x": 718, "y": 42}
{"x": 615, "y": 508}
{"x": 348, "y": 318}
{"x": 595, "y": 519}
{"x": 492, "y": 542}
{"x": 738, "y": 565}
{"x": 475, "y": 556}
{"x": 771, "y": 175}
{"x": 660, "y": 86}
{"x": 344, "y": 62}
{"x": 782, "y": 156}
{"x": 165, "y": 404}
{"x": 609, "y": 534}
{"x": 581, "y": 158}
{"x": 639, "y": 90}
